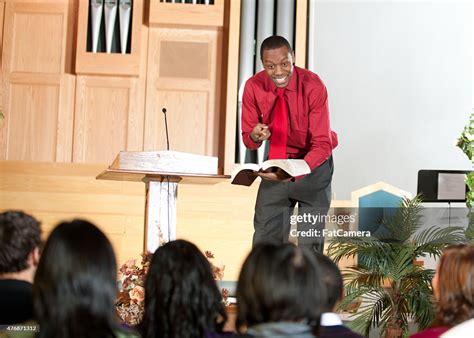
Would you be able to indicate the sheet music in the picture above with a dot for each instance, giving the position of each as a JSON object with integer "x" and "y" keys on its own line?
{"x": 451, "y": 186}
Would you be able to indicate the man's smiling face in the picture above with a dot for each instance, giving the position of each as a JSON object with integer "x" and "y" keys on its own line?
{"x": 278, "y": 65}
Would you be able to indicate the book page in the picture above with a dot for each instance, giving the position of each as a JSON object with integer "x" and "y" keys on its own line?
{"x": 292, "y": 167}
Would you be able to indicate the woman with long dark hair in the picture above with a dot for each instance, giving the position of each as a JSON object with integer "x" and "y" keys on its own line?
{"x": 453, "y": 288}
{"x": 181, "y": 297}
{"x": 75, "y": 284}
{"x": 280, "y": 292}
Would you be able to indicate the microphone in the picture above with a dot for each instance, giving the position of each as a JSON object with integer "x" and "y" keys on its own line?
{"x": 166, "y": 128}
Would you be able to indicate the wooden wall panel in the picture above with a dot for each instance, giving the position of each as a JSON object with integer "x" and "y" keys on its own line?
{"x": 38, "y": 90}
{"x": 186, "y": 14}
{"x": 301, "y": 32}
{"x": 188, "y": 123}
{"x": 38, "y": 37}
{"x": 187, "y": 86}
{"x": 44, "y": 60}
{"x": 53, "y": 192}
{"x": 2, "y": 14}
{"x": 106, "y": 108}
{"x": 38, "y": 118}
{"x": 232, "y": 86}
{"x": 33, "y": 121}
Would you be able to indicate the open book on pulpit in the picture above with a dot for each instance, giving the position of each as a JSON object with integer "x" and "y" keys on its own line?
{"x": 247, "y": 173}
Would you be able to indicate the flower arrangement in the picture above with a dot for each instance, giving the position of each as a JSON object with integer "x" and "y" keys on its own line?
{"x": 130, "y": 301}
{"x": 217, "y": 271}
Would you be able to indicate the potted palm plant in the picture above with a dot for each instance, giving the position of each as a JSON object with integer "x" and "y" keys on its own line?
{"x": 393, "y": 288}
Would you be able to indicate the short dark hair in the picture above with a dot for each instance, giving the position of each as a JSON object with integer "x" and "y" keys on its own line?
{"x": 274, "y": 42}
{"x": 279, "y": 283}
{"x": 20, "y": 234}
{"x": 181, "y": 295}
{"x": 332, "y": 277}
{"x": 75, "y": 284}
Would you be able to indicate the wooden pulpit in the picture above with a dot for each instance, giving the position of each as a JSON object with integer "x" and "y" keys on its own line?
{"x": 162, "y": 171}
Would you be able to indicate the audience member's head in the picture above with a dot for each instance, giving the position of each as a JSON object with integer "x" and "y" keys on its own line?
{"x": 453, "y": 286}
{"x": 279, "y": 283}
{"x": 19, "y": 257}
{"x": 75, "y": 284}
{"x": 20, "y": 237}
{"x": 332, "y": 278}
{"x": 181, "y": 296}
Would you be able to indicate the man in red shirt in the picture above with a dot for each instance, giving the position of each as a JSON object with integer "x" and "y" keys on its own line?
{"x": 288, "y": 106}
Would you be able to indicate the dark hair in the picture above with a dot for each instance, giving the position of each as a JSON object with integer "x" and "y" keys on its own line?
{"x": 279, "y": 283}
{"x": 75, "y": 284}
{"x": 455, "y": 303}
{"x": 332, "y": 278}
{"x": 181, "y": 296}
{"x": 20, "y": 234}
{"x": 274, "y": 42}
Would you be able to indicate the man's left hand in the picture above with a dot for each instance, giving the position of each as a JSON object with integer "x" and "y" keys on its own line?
{"x": 275, "y": 176}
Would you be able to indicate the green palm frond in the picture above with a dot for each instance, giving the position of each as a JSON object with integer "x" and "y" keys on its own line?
{"x": 432, "y": 241}
{"x": 357, "y": 277}
{"x": 345, "y": 247}
{"x": 375, "y": 304}
{"x": 406, "y": 220}
{"x": 401, "y": 263}
{"x": 421, "y": 301}
{"x": 419, "y": 278}
{"x": 353, "y": 294}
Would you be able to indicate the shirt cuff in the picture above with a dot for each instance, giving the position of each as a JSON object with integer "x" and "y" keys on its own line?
{"x": 252, "y": 142}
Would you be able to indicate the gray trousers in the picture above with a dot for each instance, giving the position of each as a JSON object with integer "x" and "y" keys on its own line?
{"x": 276, "y": 202}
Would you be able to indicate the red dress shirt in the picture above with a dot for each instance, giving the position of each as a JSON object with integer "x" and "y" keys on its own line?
{"x": 309, "y": 132}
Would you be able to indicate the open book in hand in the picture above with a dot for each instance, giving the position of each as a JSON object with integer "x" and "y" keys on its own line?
{"x": 247, "y": 173}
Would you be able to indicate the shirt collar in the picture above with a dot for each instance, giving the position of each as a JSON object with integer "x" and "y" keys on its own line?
{"x": 273, "y": 329}
{"x": 330, "y": 319}
{"x": 292, "y": 84}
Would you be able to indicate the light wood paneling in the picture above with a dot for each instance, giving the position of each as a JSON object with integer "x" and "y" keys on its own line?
{"x": 38, "y": 37}
{"x": 187, "y": 120}
{"x": 38, "y": 91}
{"x": 186, "y": 14}
{"x": 2, "y": 13}
{"x": 301, "y": 32}
{"x": 192, "y": 98}
{"x": 3, "y": 122}
{"x": 232, "y": 86}
{"x": 38, "y": 117}
{"x": 53, "y": 192}
{"x": 33, "y": 120}
{"x": 108, "y": 118}
{"x": 45, "y": 60}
